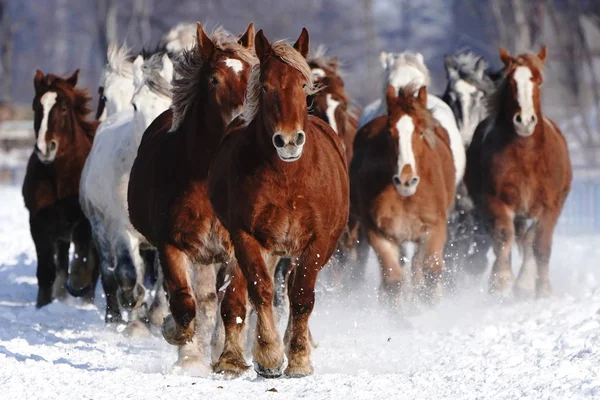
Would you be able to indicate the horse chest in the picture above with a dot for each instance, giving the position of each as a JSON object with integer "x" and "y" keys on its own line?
{"x": 399, "y": 218}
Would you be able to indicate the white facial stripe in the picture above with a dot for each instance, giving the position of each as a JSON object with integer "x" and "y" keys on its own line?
{"x": 48, "y": 101}
{"x": 330, "y": 112}
{"x": 465, "y": 92}
{"x": 522, "y": 77}
{"x": 464, "y": 89}
{"x": 236, "y": 65}
{"x": 406, "y": 129}
{"x": 318, "y": 73}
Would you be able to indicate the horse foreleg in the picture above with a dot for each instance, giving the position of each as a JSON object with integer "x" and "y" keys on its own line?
{"x": 503, "y": 236}
{"x": 268, "y": 348}
{"x": 542, "y": 250}
{"x": 62, "y": 269}
{"x": 525, "y": 284}
{"x": 392, "y": 274}
{"x": 84, "y": 269}
{"x": 178, "y": 327}
{"x": 302, "y": 302}
{"x": 46, "y": 268}
{"x": 195, "y": 356}
{"x": 234, "y": 316}
{"x": 159, "y": 308}
{"x": 430, "y": 256}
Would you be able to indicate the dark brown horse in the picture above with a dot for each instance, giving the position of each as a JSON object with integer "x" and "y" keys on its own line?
{"x": 168, "y": 187}
{"x": 333, "y": 105}
{"x": 518, "y": 170}
{"x": 286, "y": 194}
{"x": 51, "y": 189}
{"x": 403, "y": 182}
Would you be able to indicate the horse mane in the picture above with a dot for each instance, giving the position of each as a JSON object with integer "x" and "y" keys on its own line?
{"x": 495, "y": 99}
{"x": 408, "y": 101}
{"x": 406, "y": 58}
{"x": 120, "y": 60}
{"x": 465, "y": 64}
{"x": 321, "y": 60}
{"x": 290, "y": 56}
{"x": 151, "y": 75}
{"x": 188, "y": 67}
{"x": 179, "y": 38}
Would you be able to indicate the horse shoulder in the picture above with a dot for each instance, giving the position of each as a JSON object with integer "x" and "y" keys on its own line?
{"x": 331, "y": 136}
{"x": 38, "y": 190}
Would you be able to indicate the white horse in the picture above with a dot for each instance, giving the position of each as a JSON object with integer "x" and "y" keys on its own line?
{"x": 116, "y": 82}
{"x": 103, "y": 188}
{"x": 407, "y": 68}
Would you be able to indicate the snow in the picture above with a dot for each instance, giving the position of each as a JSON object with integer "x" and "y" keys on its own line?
{"x": 471, "y": 346}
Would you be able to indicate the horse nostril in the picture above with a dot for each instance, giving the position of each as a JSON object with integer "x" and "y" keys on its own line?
{"x": 396, "y": 180}
{"x": 52, "y": 145}
{"x": 518, "y": 118}
{"x": 533, "y": 118}
{"x": 300, "y": 138}
{"x": 278, "y": 140}
{"x": 413, "y": 181}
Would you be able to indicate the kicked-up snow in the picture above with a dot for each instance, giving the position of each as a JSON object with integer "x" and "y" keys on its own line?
{"x": 471, "y": 346}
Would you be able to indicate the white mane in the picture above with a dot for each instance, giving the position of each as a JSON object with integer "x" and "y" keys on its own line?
{"x": 181, "y": 37}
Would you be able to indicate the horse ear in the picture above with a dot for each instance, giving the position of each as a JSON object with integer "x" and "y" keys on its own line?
{"x": 262, "y": 46}
{"x": 422, "y": 96}
{"x": 542, "y": 54}
{"x": 72, "y": 80}
{"x": 390, "y": 96}
{"x": 420, "y": 58}
{"x": 480, "y": 67}
{"x": 167, "y": 68}
{"x": 137, "y": 70}
{"x": 383, "y": 59}
{"x": 302, "y": 43}
{"x": 247, "y": 39}
{"x": 450, "y": 67}
{"x": 205, "y": 45}
{"x": 37, "y": 80}
{"x": 505, "y": 57}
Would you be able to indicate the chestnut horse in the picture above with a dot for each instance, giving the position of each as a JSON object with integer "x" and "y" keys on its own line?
{"x": 285, "y": 195}
{"x": 51, "y": 188}
{"x": 168, "y": 187}
{"x": 519, "y": 172}
{"x": 403, "y": 185}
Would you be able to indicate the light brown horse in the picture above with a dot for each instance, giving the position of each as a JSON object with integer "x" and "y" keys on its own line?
{"x": 168, "y": 187}
{"x": 286, "y": 194}
{"x": 51, "y": 188}
{"x": 518, "y": 169}
{"x": 403, "y": 181}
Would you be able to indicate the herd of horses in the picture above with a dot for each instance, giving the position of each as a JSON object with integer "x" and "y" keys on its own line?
{"x": 220, "y": 176}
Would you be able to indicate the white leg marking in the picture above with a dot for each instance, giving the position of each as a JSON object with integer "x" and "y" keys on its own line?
{"x": 48, "y": 101}
{"x": 330, "y": 112}
{"x": 236, "y": 65}
{"x": 522, "y": 76}
{"x": 406, "y": 128}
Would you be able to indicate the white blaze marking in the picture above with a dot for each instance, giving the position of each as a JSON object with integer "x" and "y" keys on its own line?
{"x": 330, "y": 112}
{"x": 48, "y": 101}
{"x": 522, "y": 77}
{"x": 318, "y": 73}
{"x": 236, "y": 65}
{"x": 406, "y": 128}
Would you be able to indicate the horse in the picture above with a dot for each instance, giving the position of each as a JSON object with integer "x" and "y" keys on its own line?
{"x": 179, "y": 38}
{"x": 168, "y": 187}
{"x": 51, "y": 187}
{"x": 332, "y": 104}
{"x": 103, "y": 190}
{"x": 408, "y": 68}
{"x": 286, "y": 195}
{"x": 519, "y": 174}
{"x": 470, "y": 82}
{"x": 116, "y": 82}
{"x": 402, "y": 182}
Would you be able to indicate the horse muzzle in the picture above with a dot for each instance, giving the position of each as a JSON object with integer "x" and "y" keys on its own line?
{"x": 47, "y": 155}
{"x": 524, "y": 124}
{"x": 289, "y": 149}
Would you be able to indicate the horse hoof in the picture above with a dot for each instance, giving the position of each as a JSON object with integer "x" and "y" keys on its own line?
{"x": 500, "y": 284}
{"x": 132, "y": 299}
{"x": 175, "y": 334}
{"x": 269, "y": 373}
{"x": 77, "y": 292}
{"x": 193, "y": 366}
{"x": 232, "y": 367}
{"x": 299, "y": 371}
{"x": 136, "y": 329}
{"x": 543, "y": 290}
{"x": 522, "y": 293}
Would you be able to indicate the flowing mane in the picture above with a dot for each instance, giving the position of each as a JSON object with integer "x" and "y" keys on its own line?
{"x": 286, "y": 53}
{"x": 466, "y": 65}
{"x": 120, "y": 61}
{"x": 319, "y": 59}
{"x": 180, "y": 38}
{"x": 189, "y": 66}
{"x": 394, "y": 61}
{"x": 151, "y": 75}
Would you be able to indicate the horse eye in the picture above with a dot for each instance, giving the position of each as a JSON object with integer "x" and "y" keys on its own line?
{"x": 422, "y": 134}
{"x": 134, "y": 106}
{"x": 304, "y": 86}
{"x": 264, "y": 88}
{"x": 214, "y": 80}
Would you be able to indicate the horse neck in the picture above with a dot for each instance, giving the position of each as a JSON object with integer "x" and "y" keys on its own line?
{"x": 67, "y": 168}
{"x": 203, "y": 133}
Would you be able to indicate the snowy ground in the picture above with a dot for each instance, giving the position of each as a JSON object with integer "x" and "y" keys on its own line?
{"x": 469, "y": 347}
